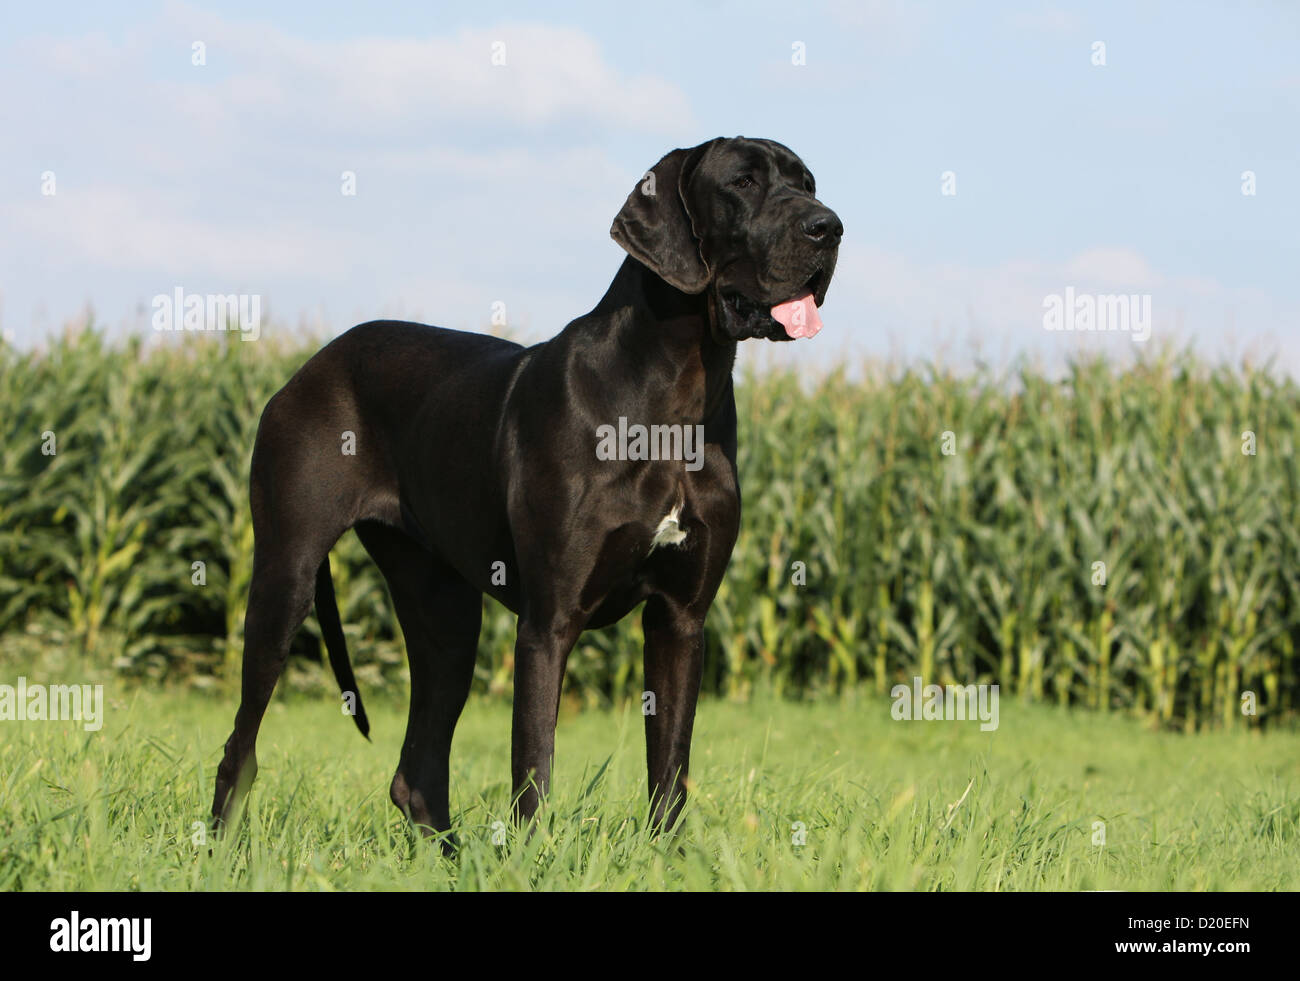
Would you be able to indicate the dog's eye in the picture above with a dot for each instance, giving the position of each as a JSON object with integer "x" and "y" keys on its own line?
{"x": 744, "y": 180}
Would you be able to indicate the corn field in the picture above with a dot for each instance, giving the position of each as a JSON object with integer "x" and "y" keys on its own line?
{"x": 1121, "y": 540}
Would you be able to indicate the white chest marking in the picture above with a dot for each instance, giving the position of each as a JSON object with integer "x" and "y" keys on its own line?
{"x": 669, "y": 531}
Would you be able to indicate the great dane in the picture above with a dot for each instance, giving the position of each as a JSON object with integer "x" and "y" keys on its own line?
{"x": 468, "y": 464}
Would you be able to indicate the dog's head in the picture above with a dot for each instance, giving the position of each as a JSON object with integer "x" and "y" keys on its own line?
{"x": 741, "y": 218}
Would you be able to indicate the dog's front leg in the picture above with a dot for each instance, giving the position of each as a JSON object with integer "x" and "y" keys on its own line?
{"x": 541, "y": 652}
{"x": 674, "y": 656}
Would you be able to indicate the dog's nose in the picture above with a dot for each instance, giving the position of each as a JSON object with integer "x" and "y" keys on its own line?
{"x": 823, "y": 227}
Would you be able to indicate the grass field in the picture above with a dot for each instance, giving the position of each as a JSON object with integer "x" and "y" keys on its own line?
{"x": 115, "y": 809}
{"x": 1115, "y": 547}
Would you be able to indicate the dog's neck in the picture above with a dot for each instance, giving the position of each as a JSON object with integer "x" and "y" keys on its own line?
{"x": 672, "y": 335}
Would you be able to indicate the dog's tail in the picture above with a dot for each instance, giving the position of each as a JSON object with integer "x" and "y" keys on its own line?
{"x": 331, "y": 630}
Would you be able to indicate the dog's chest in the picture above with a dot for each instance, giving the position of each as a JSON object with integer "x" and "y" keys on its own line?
{"x": 669, "y": 531}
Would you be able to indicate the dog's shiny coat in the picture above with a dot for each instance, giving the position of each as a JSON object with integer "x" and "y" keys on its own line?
{"x": 475, "y": 456}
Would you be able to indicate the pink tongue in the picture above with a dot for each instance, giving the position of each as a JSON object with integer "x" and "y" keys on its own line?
{"x": 799, "y": 317}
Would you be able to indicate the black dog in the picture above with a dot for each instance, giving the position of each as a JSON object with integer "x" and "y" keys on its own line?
{"x": 468, "y": 464}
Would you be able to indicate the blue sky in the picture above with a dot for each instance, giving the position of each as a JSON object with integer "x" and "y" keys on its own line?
{"x": 479, "y": 184}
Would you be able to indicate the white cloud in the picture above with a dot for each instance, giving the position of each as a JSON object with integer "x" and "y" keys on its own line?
{"x": 119, "y": 228}
{"x": 1049, "y": 20}
{"x": 550, "y": 73}
{"x": 1121, "y": 267}
{"x": 469, "y": 175}
{"x": 880, "y": 294}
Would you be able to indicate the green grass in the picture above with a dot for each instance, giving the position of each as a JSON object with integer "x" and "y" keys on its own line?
{"x": 115, "y": 809}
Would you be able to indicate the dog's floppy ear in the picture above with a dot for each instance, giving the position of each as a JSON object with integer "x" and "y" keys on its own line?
{"x": 655, "y": 225}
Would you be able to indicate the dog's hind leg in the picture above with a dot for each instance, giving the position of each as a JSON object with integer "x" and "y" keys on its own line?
{"x": 302, "y": 501}
{"x": 279, "y": 599}
{"x": 440, "y": 614}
